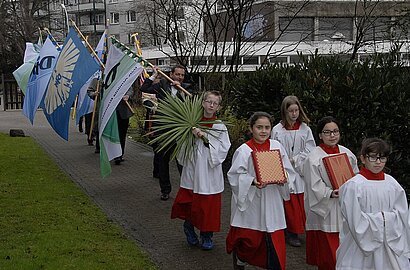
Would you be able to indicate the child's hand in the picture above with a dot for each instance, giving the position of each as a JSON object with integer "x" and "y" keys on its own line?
{"x": 259, "y": 184}
{"x": 335, "y": 193}
{"x": 197, "y": 132}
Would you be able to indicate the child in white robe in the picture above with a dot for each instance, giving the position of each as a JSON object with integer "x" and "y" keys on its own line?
{"x": 296, "y": 137}
{"x": 258, "y": 220}
{"x": 375, "y": 234}
{"x": 323, "y": 217}
{"x": 198, "y": 201}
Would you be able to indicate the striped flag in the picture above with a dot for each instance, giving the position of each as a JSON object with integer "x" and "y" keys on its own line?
{"x": 120, "y": 73}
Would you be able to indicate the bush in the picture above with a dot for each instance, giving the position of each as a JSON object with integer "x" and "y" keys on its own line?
{"x": 370, "y": 99}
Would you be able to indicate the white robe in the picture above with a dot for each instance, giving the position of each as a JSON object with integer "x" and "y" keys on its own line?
{"x": 202, "y": 173}
{"x": 298, "y": 144}
{"x": 251, "y": 207}
{"x": 322, "y": 212}
{"x": 365, "y": 243}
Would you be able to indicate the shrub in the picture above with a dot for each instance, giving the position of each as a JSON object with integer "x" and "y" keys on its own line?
{"x": 370, "y": 99}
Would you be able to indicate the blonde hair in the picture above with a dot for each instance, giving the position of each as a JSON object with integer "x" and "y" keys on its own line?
{"x": 213, "y": 92}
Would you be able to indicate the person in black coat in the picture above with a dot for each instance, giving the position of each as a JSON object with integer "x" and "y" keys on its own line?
{"x": 123, "y": 119}
{"x": 162, "y": 158}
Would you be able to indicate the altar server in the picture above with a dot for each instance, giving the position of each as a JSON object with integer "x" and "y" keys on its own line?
{"x": 296, "y": 137}
{"x": 323, "y": 217}
{"x": 375, "y": 233}
{"x": 198, "y": 201}
{"x": 256, "y": 235}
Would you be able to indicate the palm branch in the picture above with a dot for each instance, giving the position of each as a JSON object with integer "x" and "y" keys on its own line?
{"x": 174, "y": 120}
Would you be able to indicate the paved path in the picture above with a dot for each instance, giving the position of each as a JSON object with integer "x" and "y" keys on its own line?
{"x": 130, "y": 197}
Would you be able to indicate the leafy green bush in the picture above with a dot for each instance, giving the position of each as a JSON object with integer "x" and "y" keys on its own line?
{"x": 371, "y": 99}
{"x": 136, "y": 129}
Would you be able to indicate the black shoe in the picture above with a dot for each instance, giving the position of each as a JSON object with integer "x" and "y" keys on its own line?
{"x": 155, "y": 175}
{"x": 117, "y": 161}
{"x": 97, "y": 151}
{"x": 164, "y": 197}
{"x": 80, "y": 129}
{"x": 90, "y": 142}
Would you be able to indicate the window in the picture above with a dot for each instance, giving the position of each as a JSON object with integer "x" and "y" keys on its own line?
{"x": 180, "y": 13}
{"x": 335, "y": 28}
{"x": 199, "y": 61}
{"x": 278, "y": 59}
{"x": 113, "y": 1}
{"x": 254, "y": 26}
{"x": 131, "y": 16}
{"x": 99, "y": 19}
{"x": 376, "y": 28}
{"x": 296, "y": 28}
{"x": 181, "y": 36}
{"x": 250, "y": 60}
{"x": 114, "y": 18}
{"x": 163, "y": 62}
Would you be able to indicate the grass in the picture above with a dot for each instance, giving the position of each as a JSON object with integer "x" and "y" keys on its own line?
{"x": 47, "y": 222}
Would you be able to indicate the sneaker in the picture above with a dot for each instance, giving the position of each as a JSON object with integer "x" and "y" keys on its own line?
{"x": 207, "y": 243}
{"x": 191, "y": 236}
{"x": 164, "y": 196}
{"x": 237, "y": 264}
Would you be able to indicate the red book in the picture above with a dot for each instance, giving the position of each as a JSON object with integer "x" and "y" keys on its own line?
{"x": 338, "y": 169}
{"x": 269, "y": 167}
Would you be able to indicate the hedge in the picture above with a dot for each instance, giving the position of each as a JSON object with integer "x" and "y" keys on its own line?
{"x": 370, "y": 99}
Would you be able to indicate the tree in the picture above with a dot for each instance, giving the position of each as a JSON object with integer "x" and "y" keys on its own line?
{"x": 20, "y": 21}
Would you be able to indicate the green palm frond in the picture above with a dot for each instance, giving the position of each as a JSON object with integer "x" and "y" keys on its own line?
{"x": 173, "y": 123}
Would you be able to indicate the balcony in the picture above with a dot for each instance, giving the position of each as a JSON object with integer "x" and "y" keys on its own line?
{"x": 89, "y": 28}
{"x": 85, "y": 7}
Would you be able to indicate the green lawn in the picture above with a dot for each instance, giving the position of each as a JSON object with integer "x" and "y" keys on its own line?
{"x": 47, "y": 222}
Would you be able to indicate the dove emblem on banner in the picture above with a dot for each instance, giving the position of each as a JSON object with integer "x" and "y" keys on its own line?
{"x": 61, "y": 83}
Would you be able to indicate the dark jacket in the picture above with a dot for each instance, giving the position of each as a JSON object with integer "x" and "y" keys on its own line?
{"x": 122, "y": 108}
{"x": 160, "y": 88}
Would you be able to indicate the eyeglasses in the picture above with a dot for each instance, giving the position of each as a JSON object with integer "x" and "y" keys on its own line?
{"x": 328, "y": 133}
{"x": 374, "y": 159}
{"x": 212, "y": 102}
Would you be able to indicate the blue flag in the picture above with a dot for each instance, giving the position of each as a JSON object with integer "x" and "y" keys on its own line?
{"x": 40, "y": 75}
{"x": 74, "y": 67}
{"x": 85, "y": 104}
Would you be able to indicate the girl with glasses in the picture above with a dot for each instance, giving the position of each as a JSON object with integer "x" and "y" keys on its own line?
{"x": 297, "y": 139}
{"x": 375, "y": 233}
{"x": 323, "y": 217}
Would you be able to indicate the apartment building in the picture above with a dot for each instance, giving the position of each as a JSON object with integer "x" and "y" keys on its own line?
{"x": 202, "y": 33}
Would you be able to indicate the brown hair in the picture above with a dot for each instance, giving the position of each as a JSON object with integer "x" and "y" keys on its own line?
{"x": 256, "y": 115}
{"x": 177, "y": 66}
{"x": 375, "y": 145}
{"x": 287, "y": 101}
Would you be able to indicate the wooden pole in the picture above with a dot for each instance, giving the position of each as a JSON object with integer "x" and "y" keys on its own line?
{"x": 88, "y": 45}
{"x": 74, "y": 107}
{"x": 97, "y": 89}
{"x": 179, "y": 87}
